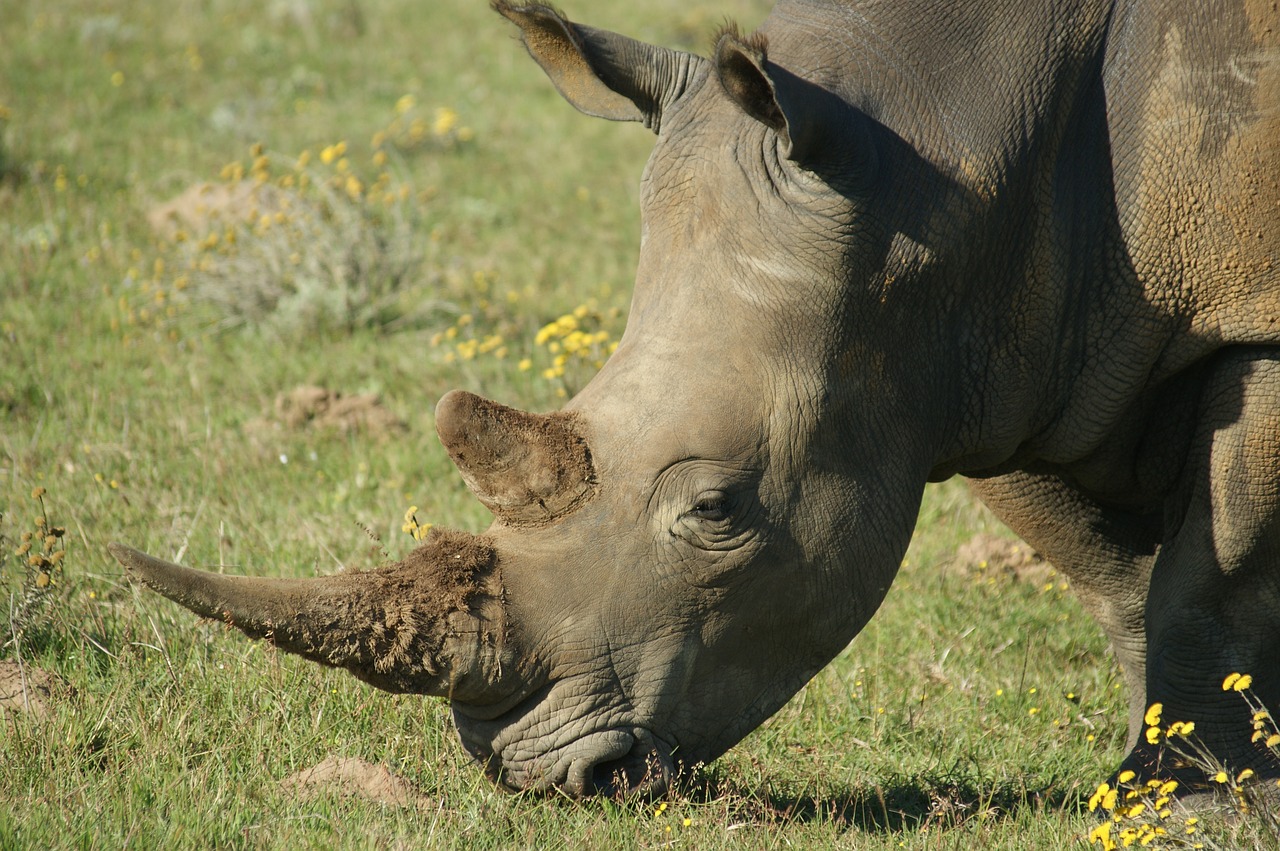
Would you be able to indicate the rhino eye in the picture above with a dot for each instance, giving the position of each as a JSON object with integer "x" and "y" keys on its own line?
{"x": 712, "y": 507}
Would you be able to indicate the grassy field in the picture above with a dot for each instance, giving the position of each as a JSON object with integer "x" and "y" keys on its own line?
{"x": 406, "y": 202}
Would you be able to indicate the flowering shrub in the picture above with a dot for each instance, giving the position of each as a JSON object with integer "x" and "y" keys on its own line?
{"x": 411, "y": 131}
{"x": 411, "y": 526}
{"x": 575, "y": 339}
{"x": 311, "y": 245}
{"x": 566, "y": 351}
{"x": 284, "y": 244}
{"x": 31, "y": 589}
{"x": 1149, "y": 815}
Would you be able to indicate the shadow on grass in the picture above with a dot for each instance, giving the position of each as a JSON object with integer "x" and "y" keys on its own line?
{"x": 902, "y": 804}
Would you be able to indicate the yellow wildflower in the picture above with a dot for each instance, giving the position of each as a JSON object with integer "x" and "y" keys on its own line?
{"x": 446, "y": 120}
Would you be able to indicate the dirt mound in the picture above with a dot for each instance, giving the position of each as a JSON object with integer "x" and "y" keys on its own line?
{"x": 990, "y": 555}
{"x": 203, "y": 205}
{"x": 24, "y": 688}
{"x": 318, "y": 407}
{"x": 355, "y": 778}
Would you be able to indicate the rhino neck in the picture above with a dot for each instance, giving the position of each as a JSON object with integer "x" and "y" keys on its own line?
{"x": 1004, "y": 247}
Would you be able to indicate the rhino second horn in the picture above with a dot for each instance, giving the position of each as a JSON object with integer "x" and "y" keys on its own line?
{"x": 430, "y": 624}
{"x": 528, "y": 469}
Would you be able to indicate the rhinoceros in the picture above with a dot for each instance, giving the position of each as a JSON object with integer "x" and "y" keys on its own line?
{"x": 1030, "y": 243}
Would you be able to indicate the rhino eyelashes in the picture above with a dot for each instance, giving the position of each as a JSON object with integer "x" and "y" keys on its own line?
{"x": 712, "y": 507}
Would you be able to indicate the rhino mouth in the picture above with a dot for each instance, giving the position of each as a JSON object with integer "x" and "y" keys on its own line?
{"x": 620, "y": 761}
{"x": 634, "y": 763}
{"x": 614, "y": 763}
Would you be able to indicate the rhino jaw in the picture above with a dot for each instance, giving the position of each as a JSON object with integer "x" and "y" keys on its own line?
{"x": 433, "y": 623}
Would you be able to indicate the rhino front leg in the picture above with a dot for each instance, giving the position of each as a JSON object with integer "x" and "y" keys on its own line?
{"x": 1214, "y": 601}
{"x": 1108, "y": 555}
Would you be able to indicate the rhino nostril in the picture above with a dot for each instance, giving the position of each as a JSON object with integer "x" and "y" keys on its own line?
{"x": 643, "y": 771}
{"x": 616, "y": 777}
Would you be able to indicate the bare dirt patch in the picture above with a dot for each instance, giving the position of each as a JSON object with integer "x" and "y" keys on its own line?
{"x": 354, "y": 778}
{"x": 312, "y": 407}
{"x": 995, "y": 557}
{"x": 25, "y": 688}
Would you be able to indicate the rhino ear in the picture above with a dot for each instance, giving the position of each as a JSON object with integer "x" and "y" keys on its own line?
{"x": 528, "y": 469}
{"x": 801, "y": 113}
{"x": 602, "y": 73}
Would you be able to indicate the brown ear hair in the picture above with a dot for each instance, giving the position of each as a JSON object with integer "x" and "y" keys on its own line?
{"x": 602, "y": 73}
{"x": 740, "y": 67}
{"x": 813, "y": 125}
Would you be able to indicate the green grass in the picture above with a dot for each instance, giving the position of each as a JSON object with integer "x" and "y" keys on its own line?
{"x": 972, "y": 709}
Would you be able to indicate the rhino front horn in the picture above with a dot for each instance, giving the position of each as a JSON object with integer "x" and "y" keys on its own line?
{"x": 528, "y": 469}
{"x": 430, "y": 624}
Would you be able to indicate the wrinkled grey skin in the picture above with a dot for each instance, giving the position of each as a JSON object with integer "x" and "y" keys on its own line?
{"x": 887, "y": 243}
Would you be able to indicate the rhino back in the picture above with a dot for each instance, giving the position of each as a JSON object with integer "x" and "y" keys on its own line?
{"x": 1193, "y": 93}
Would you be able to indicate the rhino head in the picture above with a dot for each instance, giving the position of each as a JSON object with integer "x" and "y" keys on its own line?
{"x": 716, "y": 514}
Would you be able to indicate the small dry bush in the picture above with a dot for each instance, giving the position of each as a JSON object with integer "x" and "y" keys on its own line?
{"x": 284, "y": 245}
{"x": 8, "y": 168}
{"x": 31, "y": 578}
{"x": 314, "y": 248}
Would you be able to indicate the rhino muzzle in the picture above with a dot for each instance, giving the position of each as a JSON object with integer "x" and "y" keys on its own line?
{"x": 616, "y": 762}
{"x": 430, "y": 624}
